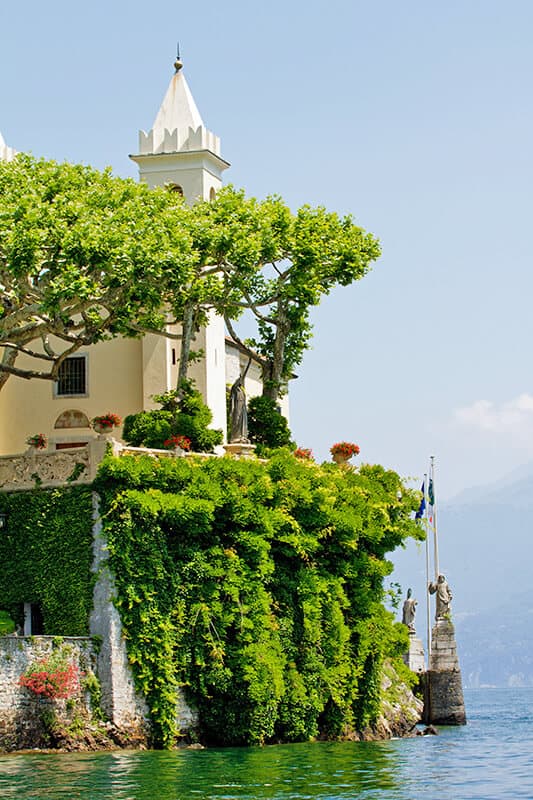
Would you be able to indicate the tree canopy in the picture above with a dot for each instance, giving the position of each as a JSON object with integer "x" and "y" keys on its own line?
{"x": 278, "y": 265}
{"x": 84, "y": 256}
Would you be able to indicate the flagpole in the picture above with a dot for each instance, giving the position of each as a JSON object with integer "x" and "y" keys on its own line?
{"x": 428, "y": 609}
{"x": 435, "y": 538}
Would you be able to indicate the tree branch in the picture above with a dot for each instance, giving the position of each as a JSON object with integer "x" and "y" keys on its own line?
{"x": 251, "y": 353}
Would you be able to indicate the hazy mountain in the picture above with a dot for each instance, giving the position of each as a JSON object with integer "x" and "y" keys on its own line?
{"x": 485, "y": 551}
{"x": 495, "y": 646}
{"x": 515, "y": 486}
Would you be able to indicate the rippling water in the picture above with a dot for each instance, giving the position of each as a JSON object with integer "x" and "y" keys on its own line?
{"x": 490, "y": 758}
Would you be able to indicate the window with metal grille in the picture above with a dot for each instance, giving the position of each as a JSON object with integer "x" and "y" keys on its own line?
{"x": 72, "y": 376}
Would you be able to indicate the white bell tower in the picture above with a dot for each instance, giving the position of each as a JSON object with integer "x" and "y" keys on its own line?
{"x": 179, "y": 151}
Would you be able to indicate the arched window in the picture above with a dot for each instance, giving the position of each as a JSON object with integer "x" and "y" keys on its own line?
{"x": 212, "y": 194}
{"x": 72, "y": 419}
{"x": 175, "y": 187}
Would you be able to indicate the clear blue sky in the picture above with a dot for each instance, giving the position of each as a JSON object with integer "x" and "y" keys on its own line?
{"x": 414, "y": 117}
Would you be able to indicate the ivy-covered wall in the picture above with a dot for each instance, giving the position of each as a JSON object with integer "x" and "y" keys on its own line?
{"x": 46, "y": 557}
{"x": 258, "y": 587}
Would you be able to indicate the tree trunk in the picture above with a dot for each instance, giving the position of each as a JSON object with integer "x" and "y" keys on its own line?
{"x": 8, "y": 360}
{"x": 275, "y": 368}
{"x": 186, "y": 339}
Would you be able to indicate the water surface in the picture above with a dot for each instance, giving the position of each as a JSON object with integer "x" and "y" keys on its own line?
{"x": 492, "y": 757}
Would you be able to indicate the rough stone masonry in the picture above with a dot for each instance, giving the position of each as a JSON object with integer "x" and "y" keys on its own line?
{"x": 444, "y": 701}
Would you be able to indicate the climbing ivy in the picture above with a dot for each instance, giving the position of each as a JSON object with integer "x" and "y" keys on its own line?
{"x": 257, "y": 587}
{"x": 46, "y": 556}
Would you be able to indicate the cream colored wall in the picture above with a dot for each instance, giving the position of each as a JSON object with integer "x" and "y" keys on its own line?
{"x": 156, "y": 373}
{"x": 114, "y": 383}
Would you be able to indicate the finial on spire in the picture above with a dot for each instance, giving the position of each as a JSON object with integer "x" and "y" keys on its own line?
{"x": 178, "y": 64}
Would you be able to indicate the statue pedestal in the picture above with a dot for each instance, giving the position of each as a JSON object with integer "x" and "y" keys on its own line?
{"x": 444, "y": 703}
{"x": 240, "y": 449}
{"x": 415, "y": 658}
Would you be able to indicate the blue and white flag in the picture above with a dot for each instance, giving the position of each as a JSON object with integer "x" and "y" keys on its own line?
{"x": 431, "y": 499}
{"x": 420, "y": 513}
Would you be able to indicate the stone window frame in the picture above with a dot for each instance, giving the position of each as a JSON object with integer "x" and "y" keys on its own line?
{"x": 60, "y": 396}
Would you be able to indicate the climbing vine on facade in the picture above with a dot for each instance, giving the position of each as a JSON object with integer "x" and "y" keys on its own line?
{"x": 46, "y": 556}
{"x": 257, "y": 588}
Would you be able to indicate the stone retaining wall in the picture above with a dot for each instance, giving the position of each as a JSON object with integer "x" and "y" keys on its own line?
{"x": 21, "y": 712}
{"x": 121, "y": 703}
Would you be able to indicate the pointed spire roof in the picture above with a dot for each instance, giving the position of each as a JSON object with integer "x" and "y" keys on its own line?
{"x": 178, "y": 109}
{"x": 178, "y": 125}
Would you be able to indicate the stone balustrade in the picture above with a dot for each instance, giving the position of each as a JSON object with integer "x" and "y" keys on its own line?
{"x": 49, "y": 468}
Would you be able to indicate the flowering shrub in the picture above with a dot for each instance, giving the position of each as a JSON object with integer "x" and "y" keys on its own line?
{"x": 106, "y": 420}
{"x": 304, "y": 453}
{"x": 178, "y": 441}
{"x": 53, "y": 676}
{"x": 346, "y": 449}
{"x": 38, "y": 440}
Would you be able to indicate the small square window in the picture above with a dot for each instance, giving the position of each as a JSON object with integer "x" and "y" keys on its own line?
{"x": 72, "y": 377}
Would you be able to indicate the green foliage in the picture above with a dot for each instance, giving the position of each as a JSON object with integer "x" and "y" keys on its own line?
{"x": 46, "y": 556}
{"x": 266, "y": 425}
{"x": 85, "y": 256}
{"x": 258, "y": 588}
{"x": 182, "y": 413}
{"x": 148, "y": 428}
{"x": 278, "y": 264}
{"x": 192, "y": 420}
{"x": 7, "y": 623}
{"x": 91, "y": 684}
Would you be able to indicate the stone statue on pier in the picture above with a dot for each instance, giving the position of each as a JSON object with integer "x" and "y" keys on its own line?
{"x": 409, "y": 611}
{"x": 444, "y": 597}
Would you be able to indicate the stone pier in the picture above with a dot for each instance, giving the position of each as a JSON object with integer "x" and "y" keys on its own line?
{"x": 444, "y": 702}
{"x": 415, "y": 658}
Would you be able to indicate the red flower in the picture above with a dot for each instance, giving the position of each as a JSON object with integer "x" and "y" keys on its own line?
{"x": 38, "y": 440}
{"x": 304, "y": 453}
{"x": 106, "y": 420}
{"x": 346, "y": 449}
{"x": 54, "y": 682}
{"x": 178, "y": 441}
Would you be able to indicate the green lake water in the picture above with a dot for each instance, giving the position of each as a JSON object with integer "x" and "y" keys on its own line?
{"x": 490, "y": 758}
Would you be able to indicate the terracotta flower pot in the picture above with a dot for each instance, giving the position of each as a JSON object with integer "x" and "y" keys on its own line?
{"x": 99, "y": 428}
{"x": 340, "y": 458}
